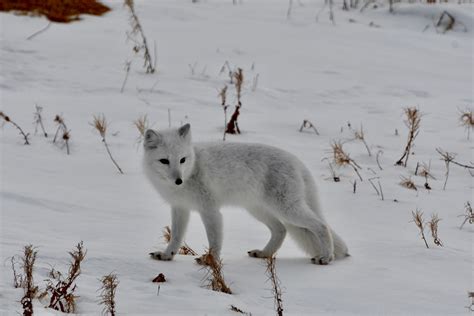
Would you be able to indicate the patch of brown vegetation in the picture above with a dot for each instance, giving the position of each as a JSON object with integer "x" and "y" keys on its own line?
{"x": 63, "y": 11}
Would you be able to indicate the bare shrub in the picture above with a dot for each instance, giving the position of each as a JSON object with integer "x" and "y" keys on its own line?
{"x": 60, "y": 289}
{"x": 107, "y": 293}
{"x": 140, "y": 44}
{"x": 418, "y": 220}
{"x": 100, "y": 124}
{"x": 184, "y": 249}
{"x": 276, "y": 289}
{"x": 214, "y": 278}
{"x": 7, "y": 119}
{"x": 413, "y": 118}
{"x": 29, "y": 288}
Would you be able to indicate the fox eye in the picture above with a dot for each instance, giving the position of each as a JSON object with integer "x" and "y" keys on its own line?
{"x": 182, "y": 160}
{"x": 165, "y": 161}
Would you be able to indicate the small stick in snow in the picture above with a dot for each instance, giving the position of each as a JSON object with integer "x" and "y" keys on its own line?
{"x": 223, "y": 96}
{"x": 418, "y": 220}
{"x": 307, "y": 124}
{"x": 100, "y": 124}
{"x": 381, "y": 191}
{"x": 39, "y": 120}
{"x": 127, "y": 71}
{"x": 7, "y": 119}
{"x": 373, "y": 185}
{"x": 354, "y": 186}
{"x": 39, "y": 32}
{"x": 380, "y": 152}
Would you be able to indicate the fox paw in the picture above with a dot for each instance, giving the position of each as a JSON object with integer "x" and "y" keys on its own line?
{"x": 158, "y": 255}
{"x": 324, "y": 260}
{"x": 259, "y": 254}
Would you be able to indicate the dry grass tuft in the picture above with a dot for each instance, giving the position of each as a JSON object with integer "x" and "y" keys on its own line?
{"x": 408, "y": 183}
{"x": 107, "y": 294}
{"x": 434, "y": 229}
{"x": 214, "y": 277}
{"x": 418, "y": 220}
{"x": 341, "y": 158}
{"x": 360, "y": 135}
{"x": 413, "y": 119}
{"x": 142, "y": 126}
{"x": 276, "y": 289}
{"x": 61, "y": 289}
{"x": 184, "y": 249}
{"x": 63, "y": 11}
{"x": 7, "y": 119}
{"x": 467, "y": 120}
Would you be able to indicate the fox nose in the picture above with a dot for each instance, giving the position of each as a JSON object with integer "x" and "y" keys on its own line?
{"x": 178, "y": 181}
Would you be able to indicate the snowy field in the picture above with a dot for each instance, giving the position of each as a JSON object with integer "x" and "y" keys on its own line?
{"x": 365, "y": 70}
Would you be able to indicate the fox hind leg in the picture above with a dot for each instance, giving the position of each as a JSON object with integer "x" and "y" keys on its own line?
{"x": 277, "y": 230}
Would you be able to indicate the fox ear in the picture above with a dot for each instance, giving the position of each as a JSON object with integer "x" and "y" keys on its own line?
{"x": 183, "y": 131}
{"x": 152, "y": 139}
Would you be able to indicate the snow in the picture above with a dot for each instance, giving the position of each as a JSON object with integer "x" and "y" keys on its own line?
{"x": 328, "y": 74}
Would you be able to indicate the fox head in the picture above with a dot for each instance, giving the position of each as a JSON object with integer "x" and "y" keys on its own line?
{"x": 170, "y": 154}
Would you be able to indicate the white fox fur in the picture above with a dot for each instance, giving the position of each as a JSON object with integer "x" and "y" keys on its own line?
{"x": 272, "y": 184}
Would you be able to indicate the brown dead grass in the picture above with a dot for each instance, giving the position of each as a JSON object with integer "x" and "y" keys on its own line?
{"x": 63, "y": 11}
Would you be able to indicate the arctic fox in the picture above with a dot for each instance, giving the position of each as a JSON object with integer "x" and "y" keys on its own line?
{"x": 272, "y": 184}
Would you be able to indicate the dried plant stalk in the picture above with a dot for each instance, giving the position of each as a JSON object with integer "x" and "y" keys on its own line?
{"x": 62, "y": 128}
{"x": 223, "y": 96}
{"x": 360, "y": 135}
{"x": 107, "y": 294}
{"x": 308, "y": 124}
{"x": 7, "y": 119}
{"x": 184, "y": 249}
{"x": 413, "y": 118}
{"x": 233, "y": 125}
{"x": 214, "y": 277}
{"x": 39, "y": 120}
{"x": 418, "y": 220}
{"x": 468, "y": 216}
{"x": 433, "y": 223}
{"x": 61, "y": 289}
{"x": 276, "y": 289}
{"x": 100, "y": 124}
{"x": 142, "y": 126}
{"x": 341, "y": 158}
{"x": 30, "y": 290}
{"x": 449, "y": 158}
{"x": 127, "y": 71}
{"x": 137, "y": 29}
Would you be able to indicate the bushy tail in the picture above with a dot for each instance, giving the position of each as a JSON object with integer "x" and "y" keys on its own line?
{"x": 305, "y": 240}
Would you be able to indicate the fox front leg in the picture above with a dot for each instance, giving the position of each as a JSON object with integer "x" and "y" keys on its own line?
{"x": 212, "y": 219}
{"x": 179, "y": 222}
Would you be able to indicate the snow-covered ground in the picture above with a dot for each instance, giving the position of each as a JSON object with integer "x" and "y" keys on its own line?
{"x": 328, "y": 74}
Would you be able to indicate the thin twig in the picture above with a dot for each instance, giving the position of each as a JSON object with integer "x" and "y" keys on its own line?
{"x": 39, "y": 32}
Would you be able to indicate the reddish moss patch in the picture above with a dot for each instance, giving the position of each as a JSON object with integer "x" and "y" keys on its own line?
{"x": 62, "y": 11}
